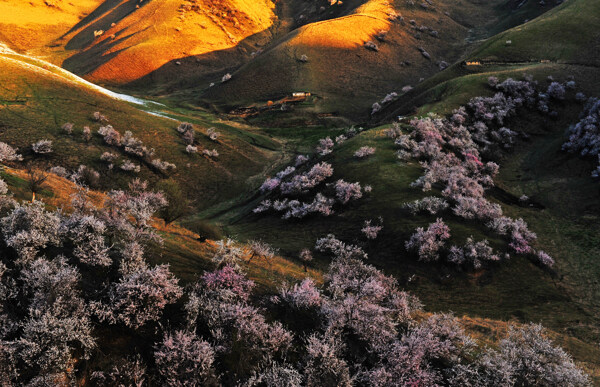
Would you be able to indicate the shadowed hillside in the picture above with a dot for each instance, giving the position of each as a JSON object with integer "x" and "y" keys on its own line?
{"x": 356, "y": 59}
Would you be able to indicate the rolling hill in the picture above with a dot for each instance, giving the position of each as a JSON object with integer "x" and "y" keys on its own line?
{"x": 571, "y": 52}
{"x": 37, "y": 99}
{"x": 560, "y": 183}
{"x": 117, "y": 42}
{"x": 413, "y": 42}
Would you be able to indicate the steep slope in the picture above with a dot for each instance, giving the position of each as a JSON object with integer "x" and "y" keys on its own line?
{"x": 565, "y": 218}
{"x": 559, "y": 181}
{"x": 137, "y": 39}
{"x": 565, "y": 215}
{"x": 487, "y": 293}
{"x": 36, "y": 99}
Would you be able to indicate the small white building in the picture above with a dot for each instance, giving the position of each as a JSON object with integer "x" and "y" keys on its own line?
{"x": 300, "y": 94}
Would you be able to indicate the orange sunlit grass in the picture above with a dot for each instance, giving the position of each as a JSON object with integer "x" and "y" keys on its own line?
{"x": 27, "y": 25}
{"x": 141, "y": 40}
{"x": 125, "y": 40}
{"x": 61, "y": 188}
{"x": 348, "y": 31}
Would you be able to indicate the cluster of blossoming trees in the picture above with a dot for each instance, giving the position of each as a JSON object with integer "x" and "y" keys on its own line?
{"x": 188, "y": 134}
{"x": 129, "y": 144}
{"x": 584, "y": 136}
{"x": 68, "y": 278}
{"x": 132, "y": 146}
{"x": 62, "y": 275}
{"x": 451, "y": 152}
{"x": 293, "y": 185}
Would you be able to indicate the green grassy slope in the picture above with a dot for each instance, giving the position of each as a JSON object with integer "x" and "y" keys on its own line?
{"x": 567, "y": 302}
{"x": 564, "y": 35}
{"x": 390, "y": 180}
{"x": 567, "y": 33}
{"x": 560, "y": 182}
{"x": 35, "y": 103}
